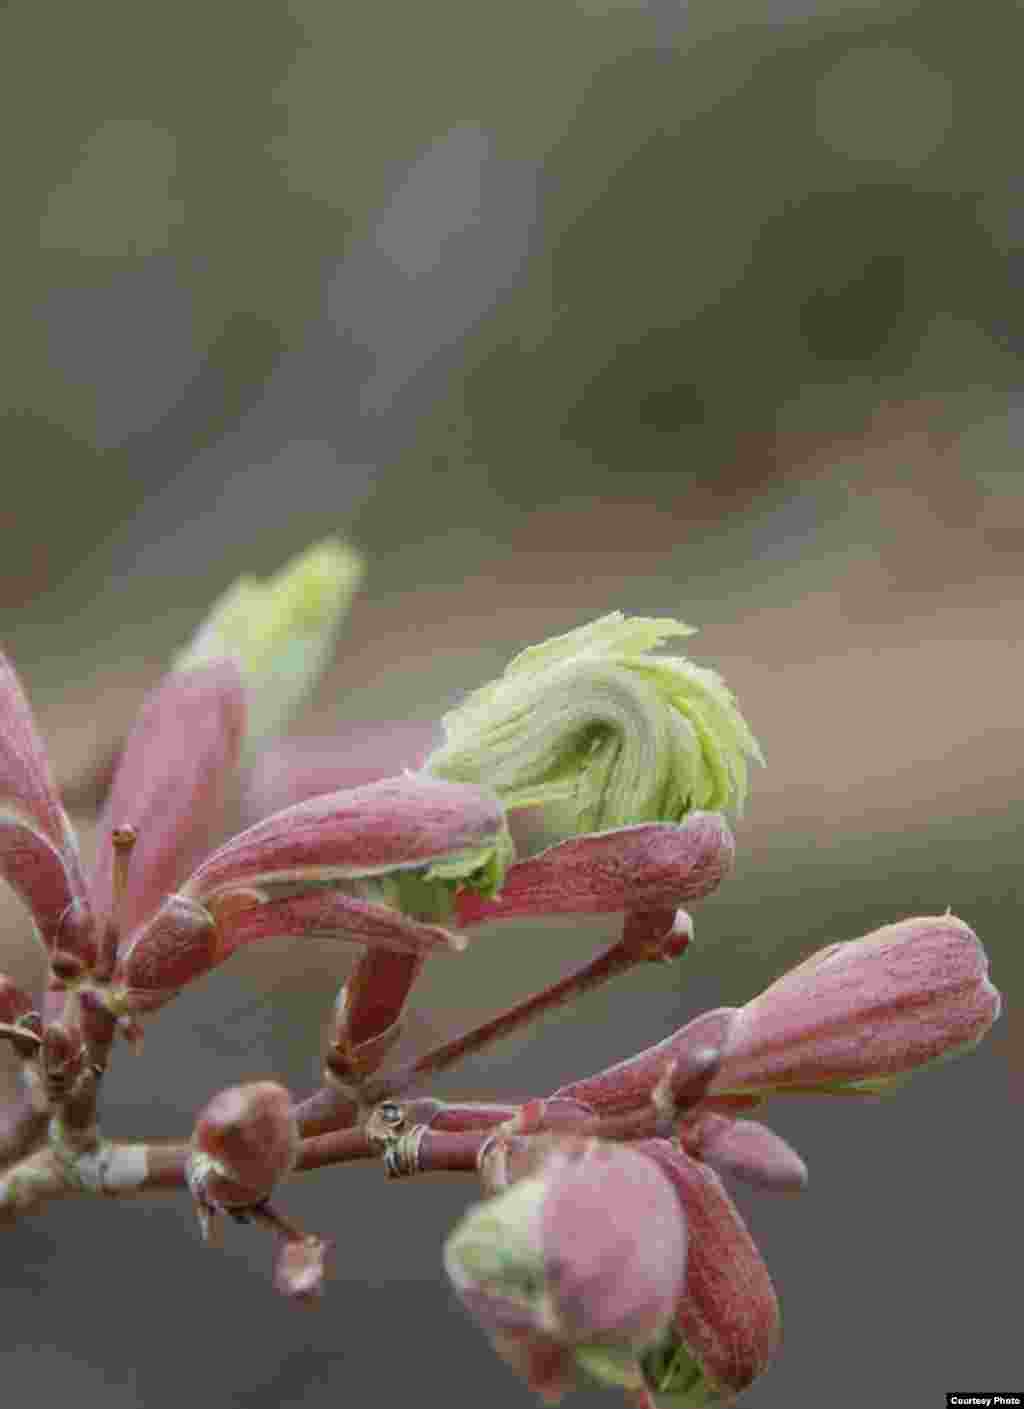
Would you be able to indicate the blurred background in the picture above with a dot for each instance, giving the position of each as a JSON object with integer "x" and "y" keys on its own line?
{"x": 710, "y": 310}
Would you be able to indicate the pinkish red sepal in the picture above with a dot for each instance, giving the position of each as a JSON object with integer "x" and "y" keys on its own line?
{"x": 651, "y": 867}
{"x": 26, "y": 783}
{"x": 746, "y": 1150}
{"x": 332, "y": 914}
{"x": 728, "y": 1314}
{"x": 184, "y": 940}
{"x": 396, "y": 823}
{"x": 180, "y": 944}
{"x": 866, "y": 1011}
{"x": 38, "y": 874}
{"x": 38, "y": 850}
{"x": 170, "y": 786}
{"x": 629, "y": 1085}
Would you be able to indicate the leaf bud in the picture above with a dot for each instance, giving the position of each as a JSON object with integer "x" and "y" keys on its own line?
{"x": 588, "y": 1250}
{"x": 244, "y": 1142}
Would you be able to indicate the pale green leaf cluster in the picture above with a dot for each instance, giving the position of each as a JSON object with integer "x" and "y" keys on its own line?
{"x": 594, "y": 725}
{"x": 482, "y": 869}
{"x": 280, "y": 632}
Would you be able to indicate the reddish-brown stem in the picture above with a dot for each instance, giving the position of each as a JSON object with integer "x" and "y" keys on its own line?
{"x": 449, "y": 1152}
{"x": 337, "y": 1147}
{"x": 617, "y": 959}
{"x": 328, "y": 1108}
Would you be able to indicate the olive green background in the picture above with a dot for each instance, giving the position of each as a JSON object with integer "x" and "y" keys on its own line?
{"x": 710, "y": 310}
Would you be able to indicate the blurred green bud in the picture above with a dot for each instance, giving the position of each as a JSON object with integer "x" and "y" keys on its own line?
{"x": 279, "y": 632}
{"x": 603, "y": 733}
{"x": 580, "y": 1264}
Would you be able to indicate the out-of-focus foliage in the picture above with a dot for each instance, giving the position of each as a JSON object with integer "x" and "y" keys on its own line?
{"x": 748, "y": 216}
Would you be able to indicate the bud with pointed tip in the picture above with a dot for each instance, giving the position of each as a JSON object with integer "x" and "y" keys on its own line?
{"x": 244, "y": 1142}
{"x": 279, "y": 632}
{"x": 654, "y": 866}
{"x": 725, "y": 1328}
{"x": 452, "y": 833}
{"x": 601, "y": 732}
{"x": 861, "y": 1015}
{"x": 170, "y": 787}
{"x": 365, "y": 866}
{"x": 590, "y": 1249}
{"x": 180, "y": 943}
{"x": 746, "y": 1150}
{"x": 38, "y": 849}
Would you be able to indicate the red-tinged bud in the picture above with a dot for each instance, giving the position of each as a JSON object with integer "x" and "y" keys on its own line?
{"x": 747, "y": 1150}
{"x": 330, "y": 914}
{"x": 300, "y": 1267}
{"x": 170, "y": 786}
{"x": 629, "y": 1086}
{"x": 45, "y": 880}
{"x": 399, "y": 823}
{"x": 181, "y": 943}
{"x": 654, "y": 866}
{"x": 26, "y": 783}
{"x": 245, "y": 1140}
{"x": 725, "y": 1328}
{"x": 588, "y": 1249}
{"x": 858, "y": 1016}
